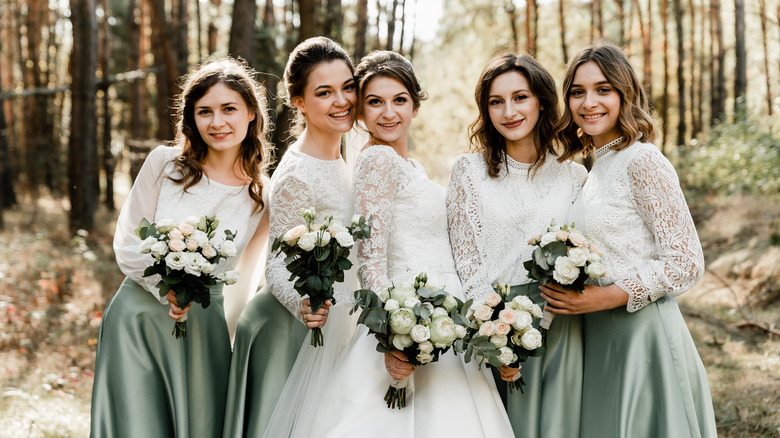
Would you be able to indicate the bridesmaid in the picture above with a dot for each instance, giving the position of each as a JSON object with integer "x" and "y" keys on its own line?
{"x": 320, "y": 86}
{"x": 498, "y": 197}
{"x": 147, "y": 382}
{"x": 643, "y": 375}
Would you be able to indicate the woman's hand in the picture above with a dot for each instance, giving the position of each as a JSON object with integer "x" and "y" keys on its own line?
{"x": 176, "y": 312}
{"x": 509, "y": 374}
{"x": 398, "y": 365}
{"x": 592, "y": 299}
{"x": 316, "y": 319}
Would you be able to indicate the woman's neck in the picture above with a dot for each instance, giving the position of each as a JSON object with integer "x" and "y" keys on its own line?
{"x": 523, "y": 151}
{"x": 323, "y": 145}
{"x": 224, "y": 167}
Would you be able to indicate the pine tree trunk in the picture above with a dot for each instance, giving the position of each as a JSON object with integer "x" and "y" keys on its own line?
{"x": 665, "y": 91}
{"x": 681, "y": 126}
{"x": 765, "y": 42}
{"x": 360, "y": 30}
{"x": 695, "y": 126}
{"x": 720, "y": 80}
{"x": 622, "y": 22}
{"x": 333, "y": 20}
{"x": 242, "y": 30}
{"x": 307, "y": 13}
{"x": 533, "y": 18}
{"x": 391, "y": 26}
{"x": 562, "y": 24}
{"x": 512, "y": 14}
{"x": 107, "y": 157}
{"x": 403, "y": 28}
{"x": 740, "y": 75}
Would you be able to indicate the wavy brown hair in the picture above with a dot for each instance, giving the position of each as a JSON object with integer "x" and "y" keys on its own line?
{"x": 486, "y": 139}
{"x": 255, "y": 150}
{"x": 634, "y": 119}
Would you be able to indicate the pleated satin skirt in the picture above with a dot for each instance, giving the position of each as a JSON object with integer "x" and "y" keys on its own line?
{"x": 643, "y": 376}
{"x": 549, "y": 406}
{"x": 267, "y": 342}
{"x": 150, "y": 384}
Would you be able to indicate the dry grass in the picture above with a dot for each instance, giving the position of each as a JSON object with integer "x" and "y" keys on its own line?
{"x": 54, "y": 286}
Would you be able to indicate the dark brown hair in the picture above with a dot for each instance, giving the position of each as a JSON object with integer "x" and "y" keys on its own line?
{"x": 486, "y": 139}
{"x": 384, "y": 63}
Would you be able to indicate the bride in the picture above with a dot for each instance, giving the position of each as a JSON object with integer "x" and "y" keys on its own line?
{"x": 409, "y": 235}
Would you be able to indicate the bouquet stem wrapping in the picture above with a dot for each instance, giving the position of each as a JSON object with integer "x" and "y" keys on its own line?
{"x": 317, "y": 339}
{"x": 396, "y": 393}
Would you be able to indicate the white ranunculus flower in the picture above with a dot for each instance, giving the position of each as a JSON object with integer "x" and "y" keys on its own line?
{"x": 443, "y": 331}
{"x": 164, "y": 225}
{"x": 402, "y": 320}
{"x": 177, "y": 245}
{"x": 209, "y": 252}
{"x": 426, "y": 347}
{"x": 192, "y": 245}
{"x": 176, "y": 234}
{"x": 507, "y": 356}
{"x": 524, "y": 320}
{"x": 547, "y": 238}
{"x": 324, "y": 237}
{"x": 487, "y": 328}
{"x": 146, "y": 244}
{"x": 344, "y": 239}
{"x": 565, "y": 272}
{"x": 594, "y": 257}
{"x": 176, "y": 261}
{"x": 502, "y": 328}
{"x": 206, "y": 268}
{"x": 483, "y": 312}
{"x": 595, "y": 270}
{"x": 578, "y": 256}
{"x": 391, "y": 305}
{"x": 524, "y": 302}
{"x": 159, "y": 249}
{"x": 355, "y": 219}
{"x": 561, "y": 236}
{"x": 308, "y": 241}
{"x": 424, "y": 358}
{"x": 577, "y": 239}
{"x": 411, "y": 302}
{"x": 231, "y": 277}
{"x": 532, "y": 339}
{"x": 292, "y": 235}
{"x": 517, "y": 338}
{"x": 498, "y": 340}
{"x": 200, "y": 237}
{"x": 460, "y": 331}
{"x": 438, "y": 312}
{"x": 228, "y": 249}
{"x": 186, "y": 229}
{"x": 401, "y": 293}
{"x": 450, "y": 303}
{"x": 507, "y": 316}
{"x": 402, "y": 341}
{"x": 420, "y": 333}
{"x": 493, "y": 299}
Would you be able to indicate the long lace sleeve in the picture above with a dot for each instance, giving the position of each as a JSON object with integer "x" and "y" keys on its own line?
{"x": 656, "y": 192}
{"x": 374, "y": 191}
{"x": 289, "y": 195}
{"x": 141, "y": 203}
{"x": 464, "y": 217}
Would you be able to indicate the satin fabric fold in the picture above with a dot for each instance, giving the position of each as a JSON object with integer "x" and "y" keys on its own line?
{"x": 267, "y": 342}
{"x": 150, "y": 384}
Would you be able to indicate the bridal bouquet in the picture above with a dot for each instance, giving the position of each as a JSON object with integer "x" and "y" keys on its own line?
{"x": 565, "y": 255}
{"x": 501, "y": 330}
{"x": 185, "y": 255}
{"x": 419, "y": 320}
{"x": 316, "y": 256}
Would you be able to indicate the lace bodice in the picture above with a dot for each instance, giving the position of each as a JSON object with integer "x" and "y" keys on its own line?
{"x": 633, "y": 207}
{"x": 156, "y": 197}
{"x": 492, "y": 219}
{"x": 409, "y": 228}
{"x": 302, "y": 181}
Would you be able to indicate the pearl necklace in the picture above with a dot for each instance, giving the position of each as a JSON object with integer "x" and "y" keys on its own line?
{"x": 604, "y": 149}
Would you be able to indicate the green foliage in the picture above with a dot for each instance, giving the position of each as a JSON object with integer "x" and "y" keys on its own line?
{"x": 733, "y": 158}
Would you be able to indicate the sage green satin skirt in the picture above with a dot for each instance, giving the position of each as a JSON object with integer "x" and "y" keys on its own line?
{"x": 643, "y": 376}
{"x": 549, "y": 406}
{"x": 150, "y": 384}
{"x": 267, "y": 342}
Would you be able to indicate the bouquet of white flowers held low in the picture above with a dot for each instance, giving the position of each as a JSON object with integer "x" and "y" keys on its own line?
{"x": 565, "y": 255}
{"x": 185, "y": 255}
{"x": 501, "y": 330}
{"x": 419, "y": 320}
{"x": 316, "y": 256}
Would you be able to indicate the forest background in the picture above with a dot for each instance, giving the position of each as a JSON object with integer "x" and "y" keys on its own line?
{"x": 85, "y": 90}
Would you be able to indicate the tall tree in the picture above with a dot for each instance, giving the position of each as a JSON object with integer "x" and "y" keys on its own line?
{"x": 403, "y": 28}
{"x": 718, "y": 89}
{"x": 360, "y": 29}
{"x": 740, "y": 75}
{"x": 678, "y": 19}
{"x": 665, "y": 82}
{"x": 7, "y": 193}
{"x": 702, "y": 60}
{"x": 765, "y": 41}
{"x": 242, "y": 30}
{"x": 38, "y": 169}
{"x": 82, "y": 147}
{"x": 562, "y": 25}
{"x": 333, "y": 19}
{"x": 512, "y": 14}
{"x": 135, "y": 14}
{"x": 622, "y": 22}
{"x": 213, "y": 32}
{"x": 695, "y": 125}
{"x": 308, "y": 18}
{"x": 165, "y": 56}
{"x": 107, "y": 157}
{"x": 645, "y": 31}
{"x": 532, "y": 22}
{"x": 391, "y": 25}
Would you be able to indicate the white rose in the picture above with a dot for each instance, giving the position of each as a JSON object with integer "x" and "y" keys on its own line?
{"x": 209, "y": 252}
{"x": 292, "y": 235}
{"x": 391, "y": 305}
{"x": 146, "y": 245}
{"x": 578, "y": 256}
{"x": 507, "y": 356}
{"x": 402, "y": 320}
{"x": 164, "y": 225}
{"x": 524, "y": 320}
{"x": 308, "y": 241}
{"x": 192, "y": 267}
{"x": 561, "y": 236}
{"x": 324, "y": 237}
{"x": 547, "y": 238}
{"x": 420, "y": 333}
{"x": 536, "y": 311}
{"x": 402, "y": 341}
{"x": 426, "y": 347}
{"x": 159, "y": 249}
{"x": 411, "y": 302}
{"x": 228, "y": 249}
{"x": 532, "y": 339}
{"x": 200, "y": 237}
{"x": 577, "y": 239}
{"x": 460, "y": 331}
{"x": 507, "y": 316}
{"x": 443, "y": 331}
{"x": 186, "y": 229}
{"x": 594, "y": 257}
{"x": 424, "y": 358}
{"x": 483, "y": 312}
{"x": 384, "y": 295}
{"x": 344, "y": 239}
{"x": 403, "y": 292}
{"x": 565, "y": 272}
{"x": 493, "y": 299}
{"x": 594, "y": 249}
{"x": 176, "y": 261}
{"x": 487, "y": 328}
{"x": 192, "y": 245}
{"x": 502, "y": 328}
{"x": 177, "y": 245}
{"x": 595, "y": 270}
{"x": 176, "y": 234}
{"x": 206, "y": 268}
{"x": 450, "y": 303}
{"x": 192, "y": 220}
{"x": 498, "y": 340}
{"x": 524, "y": 302}
{"x": 438, "y": 312}
{"x": 231, "y": 277}
{"x": 336, "y": 228}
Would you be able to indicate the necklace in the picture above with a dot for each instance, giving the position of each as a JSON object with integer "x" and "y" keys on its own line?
{"x": 604, "y": 149}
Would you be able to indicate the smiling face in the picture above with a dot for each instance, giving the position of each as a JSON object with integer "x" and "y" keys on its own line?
{"x": 387, "y": 111}
{"x": 329, "y": 97}
{"x": 594, "y": 104}
{"x": 513, "y": 109}
{"x": 222, "y": 118}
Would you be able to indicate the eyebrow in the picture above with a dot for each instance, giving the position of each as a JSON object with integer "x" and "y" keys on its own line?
{"x": 403, "y": 93}
{"x": 519, "y": 90}
{"x": 223, "y": 104}
{"x": 327, "y": 86}
{"x": 597, "y": 83}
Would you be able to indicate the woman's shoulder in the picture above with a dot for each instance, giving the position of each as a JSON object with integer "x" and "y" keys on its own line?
{"x": 378, "y": 156}
{"x": 469, "y": 164}
{"x": 647, "y": 157}
{"x": 160, "y": 159}
{"x": 577, "y": 170}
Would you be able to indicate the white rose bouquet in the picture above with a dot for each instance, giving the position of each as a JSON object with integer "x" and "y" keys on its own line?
{"x": 185, "y": 256}
{"x": 501, "y": 329}
{"x": 565, "y": 255}
{"x": 420, "y": 320}
{"x": 316, "y": 256}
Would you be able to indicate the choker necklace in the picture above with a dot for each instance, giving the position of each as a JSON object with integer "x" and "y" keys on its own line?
{"x": 603, "y": 150}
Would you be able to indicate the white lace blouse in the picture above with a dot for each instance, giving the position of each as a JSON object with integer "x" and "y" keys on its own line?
{"x": 492, "y": 219}
{"x": 154, "y": 196}
{"x": 633, "y": 207}
{"x": 302, "y": 181}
